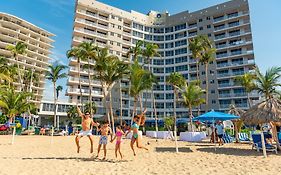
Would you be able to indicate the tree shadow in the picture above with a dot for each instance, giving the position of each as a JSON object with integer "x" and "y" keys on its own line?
{"x": 233, "y": 151}
{"x": 173, "y": 149}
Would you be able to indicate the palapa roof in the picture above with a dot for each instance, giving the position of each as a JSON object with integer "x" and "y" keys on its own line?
{"x": 235, "y": 111}
{"x": 264, "y": 112}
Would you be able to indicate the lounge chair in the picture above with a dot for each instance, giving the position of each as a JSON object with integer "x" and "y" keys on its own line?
{"x": 227, "y": 138}
{"x": 257, "y": 144}
{"x": 243, "y": 137}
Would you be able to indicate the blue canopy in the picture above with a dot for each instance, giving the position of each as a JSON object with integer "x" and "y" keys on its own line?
{"x": 215, "y": 116}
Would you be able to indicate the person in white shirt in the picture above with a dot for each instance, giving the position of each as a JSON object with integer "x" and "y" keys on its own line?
{"x": 220, "y": 131}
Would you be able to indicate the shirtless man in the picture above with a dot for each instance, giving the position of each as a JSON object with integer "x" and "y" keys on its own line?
{"x": 87, "y": 123}
{"x": 105, "y": 129}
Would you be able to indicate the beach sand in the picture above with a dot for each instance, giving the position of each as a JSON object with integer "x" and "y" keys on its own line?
{"x": 35, "y": 155}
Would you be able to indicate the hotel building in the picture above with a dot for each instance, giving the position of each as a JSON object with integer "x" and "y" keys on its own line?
{"x": 227, "y": 24}
{"x": 39, "y": 43}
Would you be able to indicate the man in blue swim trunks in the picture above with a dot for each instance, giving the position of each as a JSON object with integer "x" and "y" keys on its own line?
{"x": 105, "y": 130}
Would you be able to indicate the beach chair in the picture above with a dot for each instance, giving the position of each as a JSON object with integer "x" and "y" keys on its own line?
{"x": 258, "y": 145}
{"x": 227, "y": 138}
{"x": 243, "y": 137}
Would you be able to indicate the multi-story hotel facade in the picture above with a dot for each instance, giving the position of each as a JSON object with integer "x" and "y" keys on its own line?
{"x": 39, "y": 43}
{"x": 227, "y": 24}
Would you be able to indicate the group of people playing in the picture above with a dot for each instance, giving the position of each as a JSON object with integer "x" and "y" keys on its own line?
{"x": 105, "y": 130}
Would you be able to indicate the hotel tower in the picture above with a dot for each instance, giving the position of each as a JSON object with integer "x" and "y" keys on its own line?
{"x": 39, "y": 43}
{"x": 227, "y": 24}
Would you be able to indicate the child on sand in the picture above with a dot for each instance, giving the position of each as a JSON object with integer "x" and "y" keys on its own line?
{"x": 118, "y": 137}
{"x": 139, "y": 120}
{"x": 105, "y": 129}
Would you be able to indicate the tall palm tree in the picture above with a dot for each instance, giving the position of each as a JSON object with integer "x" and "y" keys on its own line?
{"x": 75, "y": 53}
{"x": 28, "y": 78}
{"x": 88, "y": 51}
{"x": 141, "y": 80}
{"x": 136, "y": 51}
{"x": 72, "y": 112}
{"x": 207, "y": 57}
{"x": 267, "y": 84}
{"x": 113, "y": 70}
{"x": 19, "y": 49}
{"x": 192, "y": 95}
{"x": 178, "y": 82}
{"x": 87, "y": 107}
{"x": 247, "y": 81}
{"x": 55, "y": 73}
{"x": 150, "y": 51}
{"x": 58, "y": 90}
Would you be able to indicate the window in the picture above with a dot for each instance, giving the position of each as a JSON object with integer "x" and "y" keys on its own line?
{"x": 169, "y": 96}
{"x": 169, "y": 45}
{"x": 148, "y": 37}
{"x": 209, "y": 35}
{"x": 180, "y": 27}
{"x": 170, "y": 69}
{"x": 169, "y": 61}
{"x": 169, "y": 53}
{"x": 214, "y": 101}
{"x": 169, "y": 37}
{"x": 111, "y": 33}
{"x": 208, "y": 18}
{"x": 213, "y": 91}
{"x": 180, "y": 43}
{"x": 212, "y": 81}
{"x": 200, "y": 20}
{"x": 180, "y": 51}
{"x": 111, "y": 42}
{"x": 158, "y": 38}
{"x": 181, "y": 59}
{"x": 118, "y": 44}
{"x": 119, "y": 35}
{"x": 158, "y": 62}
{"x": 137, "y": 26}
{"x": 180, "y": 35}
{"x": 208, "y": 26}
{"x": 158, "y": 30}
{"x": 169, "y": 87}
{"x": 112, "y": 16}
{"x": 119, "y": 27}
{"x": 181, "y": 68}
{"x": 200, "y": 28}
{"x": 169, "y": 29}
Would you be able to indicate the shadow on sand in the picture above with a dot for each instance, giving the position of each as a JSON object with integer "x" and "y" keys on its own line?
{"x": 173, "y": 149}
{"x": 233, "y": 151}
{"x": 92, "y": 159}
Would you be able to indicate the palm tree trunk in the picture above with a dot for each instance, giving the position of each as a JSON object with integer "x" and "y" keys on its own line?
{"x": 207, "y": 88}
{"x": 155, "y": 112}
{"x": 121, "y": 103}
{"x": 190, "y": 117}
{"x": 90, "y": 88}
{"x": 55, "y": 105}
{"x": 106, "y": 104}
{"x": 19, "y": 72}
{"x": 111, "y": 110}
{"x": 249, "y": 99}
{"x": 80, "y": 90}
{"x": 140, "y": 101}
{"x": 175, "y": 119}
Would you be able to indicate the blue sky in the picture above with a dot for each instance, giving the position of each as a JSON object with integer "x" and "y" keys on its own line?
{"x": 56, "y": 16}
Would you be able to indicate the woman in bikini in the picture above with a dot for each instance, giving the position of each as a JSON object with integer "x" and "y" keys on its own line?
{"x": 118, "y": 137}
{"x": 139, "y": 120}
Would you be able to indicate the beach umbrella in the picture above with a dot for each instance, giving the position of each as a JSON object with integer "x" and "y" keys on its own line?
{"x": 268, "y": 111}
{"x": 215, "y": 116}
{"x": 238, "y": 123}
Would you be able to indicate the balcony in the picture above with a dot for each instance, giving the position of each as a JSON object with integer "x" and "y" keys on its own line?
{"x": 220, "y": 37}
{"x": 241, "y": 105}
{"x": 224, "y": 95}
{"x": 224, "y": 106}
{"x": 226, "y": 84}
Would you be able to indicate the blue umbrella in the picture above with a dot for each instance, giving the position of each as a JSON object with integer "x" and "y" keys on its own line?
{"x": 215, "y": 116}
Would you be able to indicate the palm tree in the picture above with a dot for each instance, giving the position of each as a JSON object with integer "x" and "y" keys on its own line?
{"x": 150, "y": 51}
{"x": 75, "y": 53}
{"x": 207, "y": 57}
{"x": 177, "y": 81}
{"x": 88, "y": 106}
{"x": 113, "y": 70}
{"x": 247, "y": 81}
{"x": 18, "y": 49}
{"x": 28, "y": 78}
{"x": 267, "y": 84}
{"x": 14, "y": 103}
{"x": 58, "y": 90}
{"x": 136, "y": 51}
{"x": 192, "y": 96}
{"x": 89, "y": 52}
{"x": 72, "y": 112}
{"x": 140, "y": 80}
{"x": 55, "y": 73}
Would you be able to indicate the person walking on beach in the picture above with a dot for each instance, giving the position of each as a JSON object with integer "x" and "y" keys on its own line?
{"x": 87, "y": 123}
{"x": 118, "y": 137}
{"x": 220, "y": 132}
{"x": 105, "y": 130}
{"x": 139, "y": 120}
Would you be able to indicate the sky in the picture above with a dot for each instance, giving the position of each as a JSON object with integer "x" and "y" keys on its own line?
{"x": 56, "y": 16}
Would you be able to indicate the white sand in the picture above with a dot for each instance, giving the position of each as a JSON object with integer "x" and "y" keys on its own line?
{"x": 35, "y": 155}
